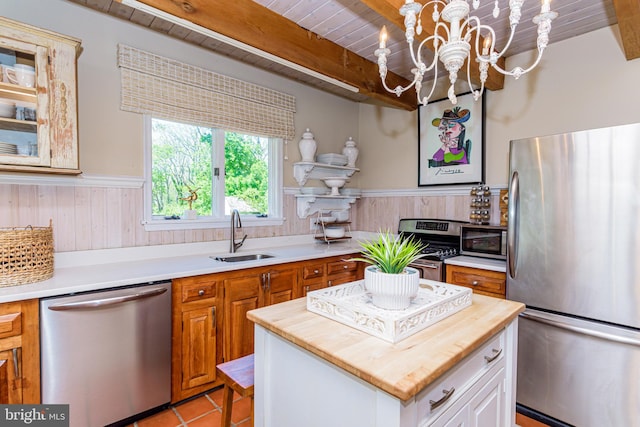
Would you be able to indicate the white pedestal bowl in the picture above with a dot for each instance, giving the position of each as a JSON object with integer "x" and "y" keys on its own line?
{"x": 335, "y": 183}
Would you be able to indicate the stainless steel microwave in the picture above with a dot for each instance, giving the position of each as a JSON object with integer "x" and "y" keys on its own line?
{"x": 487, "y": 241}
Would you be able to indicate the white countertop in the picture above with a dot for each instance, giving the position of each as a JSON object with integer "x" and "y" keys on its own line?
{"x": 94, "y": 270}
{"x": 477, "y": 262}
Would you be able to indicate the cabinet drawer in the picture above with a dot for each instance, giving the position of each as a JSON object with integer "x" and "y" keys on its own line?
{"x": 444, "y": 392}
{"x": 10, "y": 324}
{"x": 480, "y": 280}
{"x": 198, "y": 291}
{"x": 337, "y": 267}
{"x": 313, "y": 271}
{"x": 339, "y": 279}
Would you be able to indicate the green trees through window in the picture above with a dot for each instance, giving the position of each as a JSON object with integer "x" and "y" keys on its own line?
{"x": 187, "y": 157}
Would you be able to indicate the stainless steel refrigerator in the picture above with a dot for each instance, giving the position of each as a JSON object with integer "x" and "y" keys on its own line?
{"x": 574, "y": 260}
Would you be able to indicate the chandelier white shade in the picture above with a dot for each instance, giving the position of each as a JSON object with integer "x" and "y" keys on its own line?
{"x": 454, "y": 32}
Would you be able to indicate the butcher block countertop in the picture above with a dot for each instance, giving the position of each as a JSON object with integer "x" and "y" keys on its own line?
{"x": 402, "y": 369}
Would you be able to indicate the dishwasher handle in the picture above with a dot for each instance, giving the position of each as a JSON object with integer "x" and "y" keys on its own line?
{"x": 103, "y": 302}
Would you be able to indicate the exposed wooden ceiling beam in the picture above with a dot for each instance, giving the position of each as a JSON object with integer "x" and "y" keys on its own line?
{"x": 390, "y": 10}
{"x": 628, "y": 14}
{"x": 252, "y": 24}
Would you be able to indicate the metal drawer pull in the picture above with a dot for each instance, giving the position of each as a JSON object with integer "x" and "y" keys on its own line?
{"x": 345, "y": 267}
{"x": 316, "y": 271}
{"x": 496, "y": 353}
{"x": 475, "y": 283}
{"x": 16, "y": 363}
{"x": 201, "y": 292}
{"x": 433, "y": 404}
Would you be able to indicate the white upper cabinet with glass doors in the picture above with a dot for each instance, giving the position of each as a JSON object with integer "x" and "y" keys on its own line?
{"x": 38, "y": 102}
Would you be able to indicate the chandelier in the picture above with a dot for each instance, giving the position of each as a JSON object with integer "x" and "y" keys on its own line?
{"x": 453, "y": 34}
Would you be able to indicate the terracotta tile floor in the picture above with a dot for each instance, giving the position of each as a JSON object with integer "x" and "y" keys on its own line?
{"x": 202, "y": 411}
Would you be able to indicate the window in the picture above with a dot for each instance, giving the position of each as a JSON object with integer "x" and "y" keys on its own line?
{"x": 226, "y": 170}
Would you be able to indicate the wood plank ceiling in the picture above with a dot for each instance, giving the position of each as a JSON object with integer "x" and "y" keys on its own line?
{"x": 337, "y": 38}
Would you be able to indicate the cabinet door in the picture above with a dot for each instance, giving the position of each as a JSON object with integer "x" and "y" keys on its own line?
{"x": 10, "y": 384}
{"x": 196, "y": 335}
{"x": 41, "y": 122}
{"x": 280, "y": 285}
{"x": 4, "y": 382}
{"x": 25, "y": 142}
{"x": 20, "y": 352}
{"x": 487, "y": 408}
{"x": 242, "y": 294}
{"x": 199, "y": 328}
{"x": 481, "y": 406}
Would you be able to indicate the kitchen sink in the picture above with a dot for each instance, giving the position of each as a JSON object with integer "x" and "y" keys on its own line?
{"x": 241, "y": 258}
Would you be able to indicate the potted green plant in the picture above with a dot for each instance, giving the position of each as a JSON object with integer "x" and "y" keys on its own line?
{"x": 389, "y": 279}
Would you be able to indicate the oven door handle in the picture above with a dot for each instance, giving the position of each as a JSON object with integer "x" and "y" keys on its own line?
{"x": 425, "y": 263}
{"x": 433, "y": 266}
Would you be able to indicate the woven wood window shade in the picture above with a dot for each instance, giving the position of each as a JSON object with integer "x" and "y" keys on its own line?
{"x": 169, "y": 89}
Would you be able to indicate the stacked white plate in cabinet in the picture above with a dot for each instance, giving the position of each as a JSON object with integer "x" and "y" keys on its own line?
{"x": 8, "y": 148}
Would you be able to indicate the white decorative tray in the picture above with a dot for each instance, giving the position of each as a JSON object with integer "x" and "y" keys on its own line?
{"x": 351, "y": 305}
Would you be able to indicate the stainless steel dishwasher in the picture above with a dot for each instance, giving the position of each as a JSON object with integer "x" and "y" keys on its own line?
{"x": 108, "y": 353}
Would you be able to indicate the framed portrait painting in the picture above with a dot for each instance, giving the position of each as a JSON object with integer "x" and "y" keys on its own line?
{"x": 451, "y": 142}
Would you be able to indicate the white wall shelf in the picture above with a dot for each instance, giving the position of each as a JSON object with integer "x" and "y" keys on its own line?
{"x": 309, "y": 204}
{"x": 304, "y": 171}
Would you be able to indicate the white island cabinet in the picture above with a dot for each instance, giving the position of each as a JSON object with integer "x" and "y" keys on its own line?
{"x": 315, "y": 372}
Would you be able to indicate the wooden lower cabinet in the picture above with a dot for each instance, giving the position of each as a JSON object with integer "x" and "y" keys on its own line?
{"x": 483, "y": 282}
{"x": 340, "y": 270}
{"x": 247, "y": 290}
{"x": 197, "y": 335}
{"x": 19, "y": 352}
{"x": 321, "y": 273}
{"x": 210, "y": 324}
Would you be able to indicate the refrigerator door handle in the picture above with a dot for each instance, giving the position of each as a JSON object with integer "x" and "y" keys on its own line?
{"x": 107, "y": 301}
{"x": 580, "y": 330}
{"x": 513, "y": 220}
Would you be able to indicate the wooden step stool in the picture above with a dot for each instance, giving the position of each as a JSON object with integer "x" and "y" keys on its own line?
{"x": 237, "y": 376}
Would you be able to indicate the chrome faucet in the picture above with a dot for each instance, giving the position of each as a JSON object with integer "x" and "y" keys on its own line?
{"x": 235, "y": 223}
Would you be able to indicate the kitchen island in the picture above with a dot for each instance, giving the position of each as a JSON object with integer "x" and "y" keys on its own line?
{"x": 313, "y": 371}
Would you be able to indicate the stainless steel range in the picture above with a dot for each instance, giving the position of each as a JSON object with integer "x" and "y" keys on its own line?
{"x": 442, "y": 238}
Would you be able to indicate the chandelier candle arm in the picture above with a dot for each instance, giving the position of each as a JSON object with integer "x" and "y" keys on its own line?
{"x": 454, "y": 48}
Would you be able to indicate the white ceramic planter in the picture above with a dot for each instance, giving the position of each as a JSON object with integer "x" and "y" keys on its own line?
{"x": 391, "y": 291}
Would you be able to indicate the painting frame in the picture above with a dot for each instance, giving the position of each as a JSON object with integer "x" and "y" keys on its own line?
{"x": 453, "y": 162}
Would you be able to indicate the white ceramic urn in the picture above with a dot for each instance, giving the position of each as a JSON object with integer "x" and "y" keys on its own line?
{"x": 351, "y": 151}
{"x": 307, "y": 146}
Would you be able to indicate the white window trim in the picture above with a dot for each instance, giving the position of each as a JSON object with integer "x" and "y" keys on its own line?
{"x": 275, "y": 196}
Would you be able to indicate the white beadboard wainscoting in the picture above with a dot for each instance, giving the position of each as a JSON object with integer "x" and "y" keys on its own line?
{"x": 106, "y": 212}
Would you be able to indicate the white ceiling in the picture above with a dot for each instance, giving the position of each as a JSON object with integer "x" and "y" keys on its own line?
{"x": 352, "y": 25}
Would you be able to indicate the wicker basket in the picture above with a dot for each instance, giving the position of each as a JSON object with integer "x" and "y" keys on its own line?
{"x": 26, "y": 255}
